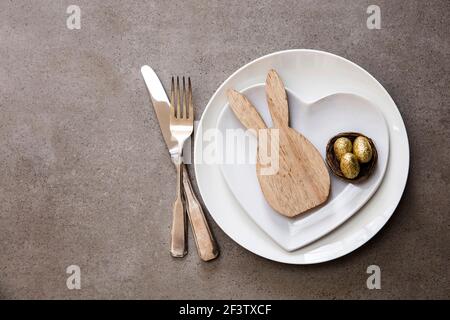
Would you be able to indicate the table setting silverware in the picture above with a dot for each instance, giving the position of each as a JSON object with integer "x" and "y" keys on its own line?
{"x": 181, "y": 127}
{"x": 176, "y": 122}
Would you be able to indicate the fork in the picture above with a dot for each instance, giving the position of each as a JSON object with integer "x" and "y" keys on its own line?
{"x": 181, "y": 127}
{"x": 181, "y": 122}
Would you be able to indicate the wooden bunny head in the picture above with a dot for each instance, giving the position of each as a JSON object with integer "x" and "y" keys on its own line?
{"x": 302, "y": 181}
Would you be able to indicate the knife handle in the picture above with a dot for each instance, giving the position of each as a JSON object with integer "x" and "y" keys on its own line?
{"x": 206, "y": 244}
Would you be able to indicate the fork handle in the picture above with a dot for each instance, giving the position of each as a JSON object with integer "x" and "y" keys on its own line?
{"x": 178, "y": 246}
{"x": 206, "y": 244}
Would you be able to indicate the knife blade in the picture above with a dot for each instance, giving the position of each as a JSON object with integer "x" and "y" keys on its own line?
{"x": 206, "y": 244}
{"x": 160, "y": 104}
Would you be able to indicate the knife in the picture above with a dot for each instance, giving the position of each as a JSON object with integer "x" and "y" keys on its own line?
{"x": 206, "y": 245}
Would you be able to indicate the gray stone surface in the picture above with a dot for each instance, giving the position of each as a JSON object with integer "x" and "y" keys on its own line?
{"x": 84, "y": 178}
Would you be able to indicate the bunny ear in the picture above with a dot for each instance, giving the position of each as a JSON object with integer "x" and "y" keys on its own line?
{"x": 245, "y": 111}
{"x": 277, "y": 100}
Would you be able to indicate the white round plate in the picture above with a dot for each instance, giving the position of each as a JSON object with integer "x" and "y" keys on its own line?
{"x": 318, "y": 121}
{"x": 311, "y": 74}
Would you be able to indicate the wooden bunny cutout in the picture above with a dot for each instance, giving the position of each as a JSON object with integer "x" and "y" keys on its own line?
{"x": 302, "y": 181}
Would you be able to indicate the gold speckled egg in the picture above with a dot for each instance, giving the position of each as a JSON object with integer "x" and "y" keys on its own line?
{"x": 342, "y": 146}
{"x": 362, "y": 149}
{"x": 349, "y": 165}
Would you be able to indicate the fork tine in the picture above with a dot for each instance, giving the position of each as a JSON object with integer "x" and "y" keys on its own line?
{"x": 191, "y": 105}
{"x": 172, "y": 98}
{"x": 178, "y": 99}
{"x": 185, "y": 115}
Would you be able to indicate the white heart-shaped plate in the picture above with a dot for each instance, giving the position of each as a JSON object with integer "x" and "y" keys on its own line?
{"x": 318, "y": 121}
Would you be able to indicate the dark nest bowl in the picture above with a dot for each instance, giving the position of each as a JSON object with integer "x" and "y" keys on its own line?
{"x": 365, "y": 170}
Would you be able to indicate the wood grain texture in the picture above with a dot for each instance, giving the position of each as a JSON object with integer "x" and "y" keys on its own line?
{"x": 302, "y": 181}
{"x": 277, "y": 100}
{"x": 245, "y": 111}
